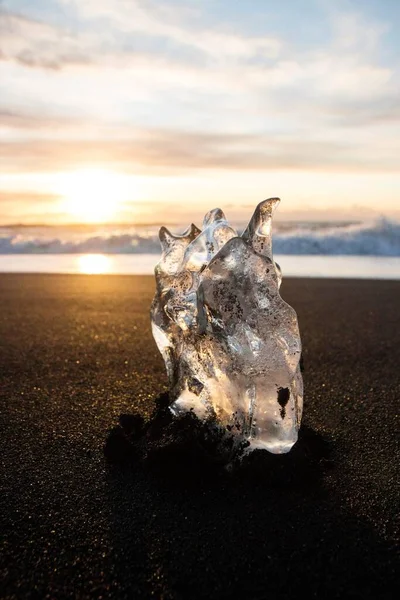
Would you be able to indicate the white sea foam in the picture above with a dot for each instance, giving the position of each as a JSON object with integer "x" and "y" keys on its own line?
{"x": 380, "y": 238}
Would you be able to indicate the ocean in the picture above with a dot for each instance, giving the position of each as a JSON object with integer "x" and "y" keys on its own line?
{"x": 307, "y": 249}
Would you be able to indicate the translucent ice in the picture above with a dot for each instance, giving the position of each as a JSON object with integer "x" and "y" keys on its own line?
{"x": 231, "y": 345}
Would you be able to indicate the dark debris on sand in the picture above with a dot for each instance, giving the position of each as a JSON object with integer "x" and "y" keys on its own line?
{"x": 182, "y": 447}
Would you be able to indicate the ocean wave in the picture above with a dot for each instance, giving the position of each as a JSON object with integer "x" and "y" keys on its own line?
{"x": 381, "y": 238}
{"x": 98, "y": 244}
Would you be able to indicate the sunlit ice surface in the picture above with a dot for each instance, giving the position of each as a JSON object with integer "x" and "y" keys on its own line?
{"x": 92, "y": 195}
{"x": 230, "y": 343}
{"x": 94, "y": 264}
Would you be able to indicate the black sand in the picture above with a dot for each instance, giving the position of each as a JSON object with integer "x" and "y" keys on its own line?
{"x": 77, "y": 351}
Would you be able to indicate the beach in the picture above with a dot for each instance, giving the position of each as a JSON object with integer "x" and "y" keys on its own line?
{"x": 76, "y": 351}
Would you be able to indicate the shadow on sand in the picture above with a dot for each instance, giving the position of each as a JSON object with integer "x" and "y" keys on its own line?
{"x": 185, "y": 527}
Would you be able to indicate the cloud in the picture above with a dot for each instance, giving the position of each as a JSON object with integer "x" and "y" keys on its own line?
{"x": 24, "y": 206}
{"x": 178, "y": 24}
{"x": 379, "y": 112}
{"x": 127, "y": 30}
{"x": 131, "y": 50}
{"x": 34, "y": 43}
{"x": 173, "y": 152}
{"x": 148, "y": 88}
{"x": 13, "y": 197}
{"x": 12, "y": 119}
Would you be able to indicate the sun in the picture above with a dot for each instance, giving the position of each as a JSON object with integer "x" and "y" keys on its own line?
{"x": 92, "y": 195}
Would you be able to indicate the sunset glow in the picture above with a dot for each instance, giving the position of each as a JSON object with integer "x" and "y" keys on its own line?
{"x": 93, "y": 264}
{"x": 200, "y": 104}
{"x": 91, "y": 196}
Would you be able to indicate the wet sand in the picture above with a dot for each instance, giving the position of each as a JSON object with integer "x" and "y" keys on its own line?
{"x": 77, "y": 351}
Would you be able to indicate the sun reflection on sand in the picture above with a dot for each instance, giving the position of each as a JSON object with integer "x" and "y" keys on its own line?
{"x": 94, "y": 264}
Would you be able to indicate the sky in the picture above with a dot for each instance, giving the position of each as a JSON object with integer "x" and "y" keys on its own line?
{"x": 145, "y": 111}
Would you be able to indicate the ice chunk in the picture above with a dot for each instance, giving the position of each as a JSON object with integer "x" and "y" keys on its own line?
{"x": 231, "y": 345}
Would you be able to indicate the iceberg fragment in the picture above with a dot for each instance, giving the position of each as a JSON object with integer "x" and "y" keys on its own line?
{"x": 230, "y": 343}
